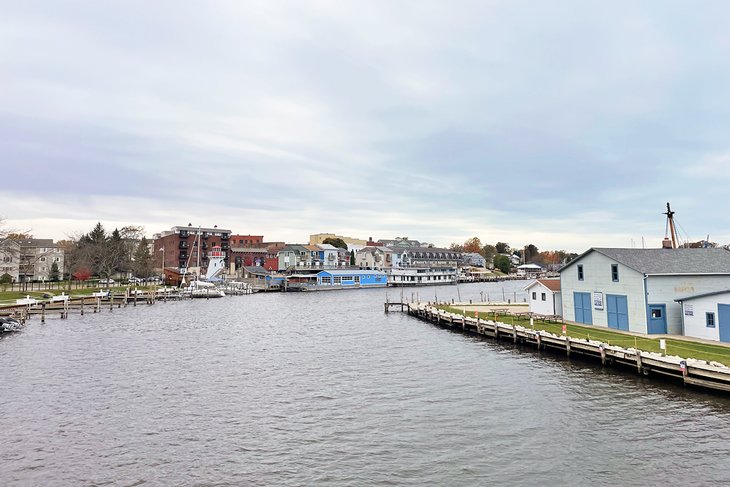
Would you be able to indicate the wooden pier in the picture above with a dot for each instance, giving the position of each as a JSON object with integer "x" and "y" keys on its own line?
{"x": 698, "y": 373}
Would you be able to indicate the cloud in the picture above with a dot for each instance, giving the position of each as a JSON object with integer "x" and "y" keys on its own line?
{"x": 561, "y": 124}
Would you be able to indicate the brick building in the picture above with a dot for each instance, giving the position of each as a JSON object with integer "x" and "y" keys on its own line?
{"x": 183, "y": 247}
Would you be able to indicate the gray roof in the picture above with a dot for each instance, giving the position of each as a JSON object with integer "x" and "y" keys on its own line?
{"x": 667, "y": 261}
{"x": 703, "y": 295}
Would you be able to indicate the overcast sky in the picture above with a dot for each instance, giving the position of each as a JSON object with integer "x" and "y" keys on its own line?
{"x": 562, "y": 124}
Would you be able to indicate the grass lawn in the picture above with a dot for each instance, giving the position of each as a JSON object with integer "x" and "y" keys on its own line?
{"x": 682, "y": 348}
{"x": 9, "y": 297}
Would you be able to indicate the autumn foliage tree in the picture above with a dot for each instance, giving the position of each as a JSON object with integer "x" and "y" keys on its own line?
{"x": 473, "y": 245}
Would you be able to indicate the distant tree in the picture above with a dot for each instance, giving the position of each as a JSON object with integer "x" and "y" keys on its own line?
{"x": 5, "y": 279}
{"x": 82, "y": 274}
{"x": 142, "y": 262}
{"x": 98, "y": 234}
{"x": 502, "y": 248}
{"x": 456, "y": 247}
{"x": 54, "y": 274}
{"x": 502, "y": 263}
{"x": 530, "y": 253}
{"x": 352, "y": 257}
{"x": 473, "y": 245}
{"x": 335, "y": 242}
{"x": 19, "y": 236}
{"x": 488, "y": 252}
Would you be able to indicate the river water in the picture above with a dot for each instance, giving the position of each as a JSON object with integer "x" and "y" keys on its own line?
{"x": 325, "y": 389}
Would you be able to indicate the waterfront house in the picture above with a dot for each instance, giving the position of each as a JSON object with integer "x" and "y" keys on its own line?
{"x": 352, "y": 278}
{"x": 473, "y": 259}
{"x": 707, "y": 315}
{"x": 331, "y": 279}
{"x": 529, "y": 271}
{"x": 544, "y": 297}
{"x": 294, "y": 256}
{"x": 372, "y": 257}
{"x": 637, "y": 289}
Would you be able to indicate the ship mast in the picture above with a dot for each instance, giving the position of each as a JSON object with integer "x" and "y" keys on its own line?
{"x": 670, "y": 226}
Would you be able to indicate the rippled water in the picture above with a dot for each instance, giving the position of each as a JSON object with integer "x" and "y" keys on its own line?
{"x": 326, "y": 389}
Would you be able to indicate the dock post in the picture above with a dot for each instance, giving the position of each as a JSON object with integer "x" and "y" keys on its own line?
{"x": 82, "y": 305}
{"x": 111, "y": 301}
{"x": 602, "y": 348}
{"x": 43, "y": 313}
{"x": 539, "y": 340}
{"x": 638, "y": 361}
{"x": 567, "y": 346}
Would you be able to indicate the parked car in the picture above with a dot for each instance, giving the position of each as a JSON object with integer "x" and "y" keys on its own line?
{"x": 135, "y": 280}
{"x": 106, "y": 282}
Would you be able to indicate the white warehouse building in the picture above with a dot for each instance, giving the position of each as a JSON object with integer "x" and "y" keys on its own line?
{"x": 636, "y": 289}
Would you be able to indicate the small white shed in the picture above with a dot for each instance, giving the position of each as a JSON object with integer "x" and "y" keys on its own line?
{"x": 544, "y": 297}
{"x": 707, "y": 316}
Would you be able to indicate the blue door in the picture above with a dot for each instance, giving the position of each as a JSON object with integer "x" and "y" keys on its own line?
{"x": 583, "y": 313}
{"x": 618, "y": 312}
{"x": 723, "y": 322}
{"x": 657, "y": 323}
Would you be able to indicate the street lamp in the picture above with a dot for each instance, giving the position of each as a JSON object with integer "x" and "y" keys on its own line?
{"x": 163, "y": 264}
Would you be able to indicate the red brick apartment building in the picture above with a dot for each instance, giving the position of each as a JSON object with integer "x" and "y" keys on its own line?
{"x": 181, "y": 247}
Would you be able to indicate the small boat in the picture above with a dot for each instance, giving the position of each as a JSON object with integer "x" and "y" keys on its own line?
{"x": 202, "y": 289}
{"x": 10, "y": 324}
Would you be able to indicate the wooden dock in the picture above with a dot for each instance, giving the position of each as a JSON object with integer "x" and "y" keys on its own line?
{"x": 698, "y": 373}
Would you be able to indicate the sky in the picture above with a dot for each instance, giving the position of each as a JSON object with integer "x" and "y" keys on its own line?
{"x": 563, "y": 124}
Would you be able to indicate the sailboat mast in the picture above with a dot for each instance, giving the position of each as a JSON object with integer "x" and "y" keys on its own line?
{"x": 672, "y": 229}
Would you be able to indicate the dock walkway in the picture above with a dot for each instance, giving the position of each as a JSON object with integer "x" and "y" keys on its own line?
{"x": 699, "y": 373}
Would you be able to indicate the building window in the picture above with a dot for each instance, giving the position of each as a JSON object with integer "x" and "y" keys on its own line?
{"x": 338, "y": 279}
{"x": 544, "y": 298}
{"x": 614, "y": 272}
{"x": 534, "y": 295}
{"x": 43, "y": 259}
{"x": 580, "y": 272}
{"x": 710, "y": 319}
{"x": 326, "y": 280}
{"x": 357, "y": 279}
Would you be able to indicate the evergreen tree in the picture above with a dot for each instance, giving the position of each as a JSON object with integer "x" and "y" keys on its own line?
{"x": 143, "y": 259}
{"x": 97, "y": 235}
{"x": 53, "y": 276}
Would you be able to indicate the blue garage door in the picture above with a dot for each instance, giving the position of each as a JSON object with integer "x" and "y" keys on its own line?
{"x": 583, "y": 313}
{"x": 723, "y": 322}
{"x": 618, "y": 312}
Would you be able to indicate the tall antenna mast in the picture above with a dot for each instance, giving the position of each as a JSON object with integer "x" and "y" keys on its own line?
{"x": 670, "y": 226}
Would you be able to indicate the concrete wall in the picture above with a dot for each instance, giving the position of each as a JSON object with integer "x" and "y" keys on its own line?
{"x": 665, "y": 289}
{"x": 597, "y": 278}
